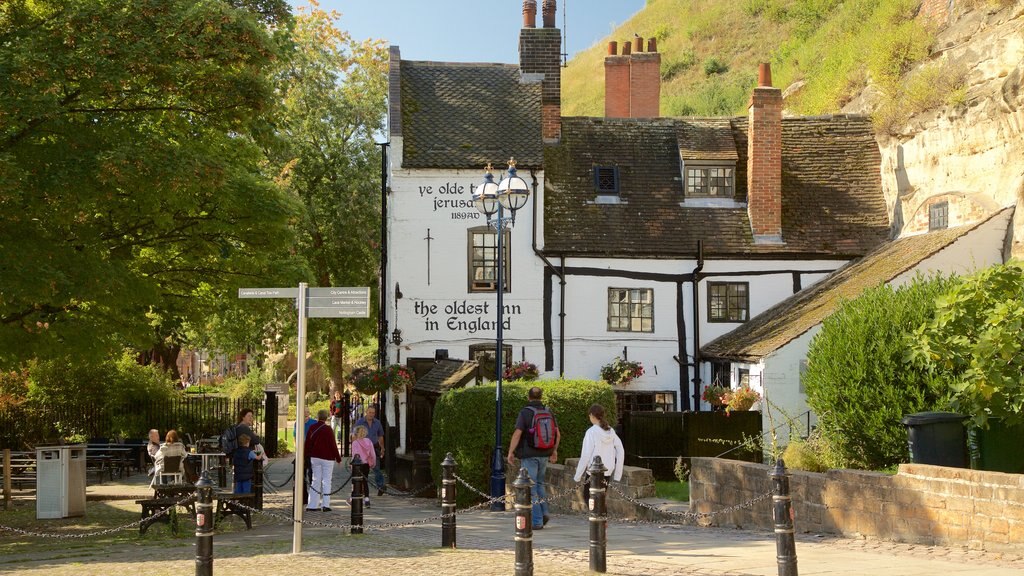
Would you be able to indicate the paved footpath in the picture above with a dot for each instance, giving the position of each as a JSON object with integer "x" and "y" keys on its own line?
{"x": 486, "y": 547}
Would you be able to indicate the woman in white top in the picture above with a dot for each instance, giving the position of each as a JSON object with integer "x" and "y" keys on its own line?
{"x": 172, "y": 446}
{"x": 602, "y": 441}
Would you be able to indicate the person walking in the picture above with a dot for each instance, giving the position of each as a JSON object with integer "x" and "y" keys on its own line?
{"x": 600, "y": 440}
{"x": 375, "y": 433}
{"x": 535, "y": 441}
{"x": 363, "y": 448}
{"x": 323, "y": 453}
{"x": 338, "y": 415}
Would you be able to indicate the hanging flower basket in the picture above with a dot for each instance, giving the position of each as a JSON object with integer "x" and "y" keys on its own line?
{"x": 621, "y": 372}
{"x": 741, "y": 399}
{"x": 369, "y": 381}
{"x": 522, "y": 370}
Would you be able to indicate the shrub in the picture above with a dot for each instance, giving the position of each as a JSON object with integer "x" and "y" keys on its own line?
{"x": 670, "y": 68}
{"x": 810, "y": 454}
{"x": 714, "y": 66}
{"x": 464, "y": 424}
{"x": 973, "y": 344}
{"x": 857, "y": 381}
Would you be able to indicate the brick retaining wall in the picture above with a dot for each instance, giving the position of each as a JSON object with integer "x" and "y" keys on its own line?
{"x": 920, "y": 504}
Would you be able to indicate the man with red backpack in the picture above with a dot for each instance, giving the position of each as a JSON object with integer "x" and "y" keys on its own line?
{"x": 535, "y": 442}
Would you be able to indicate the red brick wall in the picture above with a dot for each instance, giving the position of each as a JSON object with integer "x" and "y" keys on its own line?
{"x": 920, "y": 504}
{"x": 645, "y": 85}
{"x": 540, "y": 52}
{"x": 764, "y": 162}
{"x": 616, "y": 86}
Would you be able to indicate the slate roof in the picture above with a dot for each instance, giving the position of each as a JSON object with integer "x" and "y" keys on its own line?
{"x": 832, "y": 203}
{"x": 791, "y": 318}
{"x": 445, "y": 375}
{"x": 460, "y": 115}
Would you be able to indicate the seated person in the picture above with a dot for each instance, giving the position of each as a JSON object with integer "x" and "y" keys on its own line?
{"x": 242, "y": 465}
{"x": 172, "y": 446}
{"x": 153, "y": 446}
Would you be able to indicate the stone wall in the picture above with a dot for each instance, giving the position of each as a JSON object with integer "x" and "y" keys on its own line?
{"x": 920, "y": 504}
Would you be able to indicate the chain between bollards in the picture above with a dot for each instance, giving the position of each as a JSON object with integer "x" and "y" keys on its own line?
{"x": 448, "y": 493}
{"x": 598, "y": 506}
{"x": 204, "y": 525}
{"x": 358, "y": 492}
{"x": 524, "y": 524}
{"x": 782, "y": 515}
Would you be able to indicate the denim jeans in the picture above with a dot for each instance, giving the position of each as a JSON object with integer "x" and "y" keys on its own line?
{"x": 536, "y": 468}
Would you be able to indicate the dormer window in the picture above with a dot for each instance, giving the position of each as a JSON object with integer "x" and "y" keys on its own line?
{"x": 710, "y": 181}
{"x": 606, "y": 180}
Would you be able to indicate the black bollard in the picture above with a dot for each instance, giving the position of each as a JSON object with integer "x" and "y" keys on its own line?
{"x": 448, "y": 502}
{"x": 524, "y": 524}
{"x": 598, "y": 506}
{"x": 204, "y": 525}
{"x": 347, "y": 396}
{"x": 358, "y": 492}
{"x": 782, "y": 514}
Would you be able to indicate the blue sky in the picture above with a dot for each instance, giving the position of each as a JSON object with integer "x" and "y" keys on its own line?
{"x": 473, "y": 30}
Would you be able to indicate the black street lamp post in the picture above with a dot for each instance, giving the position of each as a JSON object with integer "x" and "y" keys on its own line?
{"x": 491, "y": 199}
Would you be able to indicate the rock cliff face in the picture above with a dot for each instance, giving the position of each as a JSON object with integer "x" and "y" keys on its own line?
{"x": 968, "y": 156}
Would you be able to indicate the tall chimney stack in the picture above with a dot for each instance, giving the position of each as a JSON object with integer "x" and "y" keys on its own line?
{"x": 632, "y": 80}
{"x": 764, "y": 160}
{"x": 540, "y": 52}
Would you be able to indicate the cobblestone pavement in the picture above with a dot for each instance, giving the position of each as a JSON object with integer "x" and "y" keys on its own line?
{"x": 485, "y": 547}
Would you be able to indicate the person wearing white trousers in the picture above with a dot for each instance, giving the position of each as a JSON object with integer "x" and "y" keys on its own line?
{"x": 323, "y": 453}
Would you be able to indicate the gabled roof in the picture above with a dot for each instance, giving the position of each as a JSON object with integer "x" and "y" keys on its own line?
{"x": 458, "y": 115}
{"x": 791, "y": 318}
{"x": 445, "y": 375}
{"x": 832, "y": 201}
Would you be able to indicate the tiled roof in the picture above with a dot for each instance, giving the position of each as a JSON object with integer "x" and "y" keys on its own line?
{"x": 789, "y": 319}
{"x": 445, "y": 375}
{"x": 832, "y": 203}
{"x": 457, "y": 115}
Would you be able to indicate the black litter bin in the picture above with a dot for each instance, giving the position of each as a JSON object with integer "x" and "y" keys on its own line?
{"x": 937, "y": 438}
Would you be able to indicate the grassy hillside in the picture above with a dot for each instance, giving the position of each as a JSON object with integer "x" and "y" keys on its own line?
{"x": 710, "y": 50}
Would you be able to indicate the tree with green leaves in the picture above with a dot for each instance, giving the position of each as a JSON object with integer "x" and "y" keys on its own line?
{"x": 857, "y": 381}
{"x": 973, "y": 344}
{"x": 333, "y": 107}
{"x": 133, "y": 190}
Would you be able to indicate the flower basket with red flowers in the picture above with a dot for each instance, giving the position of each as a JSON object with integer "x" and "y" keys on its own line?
{"x": 715, "y": 395}
{"x": 522, "y": 370}
{"x": 370, "y": 381}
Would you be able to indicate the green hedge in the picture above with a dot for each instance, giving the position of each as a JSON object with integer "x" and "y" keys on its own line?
{"x": 464, "y": 424}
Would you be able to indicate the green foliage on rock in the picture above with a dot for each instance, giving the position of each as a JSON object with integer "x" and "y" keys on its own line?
{"x": 973, "y": 344}
{"x": 464, "y": 424}
{"x": 857, "y": 381}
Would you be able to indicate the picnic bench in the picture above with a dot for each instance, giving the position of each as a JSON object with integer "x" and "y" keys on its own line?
{"x": 153, "y": 506}
{"x": 231, "y": 504}
{"x": 168, "y": 496}
{"x": 22, "y": 470}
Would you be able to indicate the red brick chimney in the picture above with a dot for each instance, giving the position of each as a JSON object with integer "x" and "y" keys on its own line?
{"x": 764, "y": 160}
{"x": 540, "y": 52}
{"x": 632, "y": 81}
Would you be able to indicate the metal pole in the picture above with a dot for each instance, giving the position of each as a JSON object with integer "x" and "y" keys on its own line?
{"x": 204, "y": 525}
{"x": 524, "y": 524}
{"x": 598, "y": 506}
{"x": 448, "y": 492}
{"x": 358, "y": 484}
{"x": 300, "y": 420}
{"x": 782, "y": 515}
{"x": 497, "y": 462}
{"x": 345, "y": 424}
{"x": 7, "y": 478}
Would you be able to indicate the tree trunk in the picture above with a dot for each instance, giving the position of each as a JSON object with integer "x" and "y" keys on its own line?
{"x": 335, "y": 364}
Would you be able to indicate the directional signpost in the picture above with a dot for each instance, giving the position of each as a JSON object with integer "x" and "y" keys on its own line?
{"x": 312, "y": 303}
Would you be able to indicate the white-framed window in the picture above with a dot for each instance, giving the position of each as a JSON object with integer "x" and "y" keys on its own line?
{"x": 710, "y": 181}
{"x": 631, "y": 310}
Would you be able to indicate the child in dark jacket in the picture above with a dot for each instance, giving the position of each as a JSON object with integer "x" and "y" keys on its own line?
{"x": 242, "y": 464}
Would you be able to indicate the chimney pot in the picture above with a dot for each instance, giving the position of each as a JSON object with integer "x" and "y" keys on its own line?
{"x": 529, "y": 13}
{"x": 627, "y": 48}
{"x": 764, "y": 75}
{"x": 548, "y": 9}
{"x": 652, "y": 45}
{"x": 639, "y": 44}
{"x": 613, "y": 48}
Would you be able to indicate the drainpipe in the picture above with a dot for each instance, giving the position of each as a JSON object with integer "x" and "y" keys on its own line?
{"x": 561, "y": 277}
{"x": 382, "y": 316}
{"x": 696, "y": 325}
